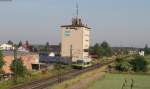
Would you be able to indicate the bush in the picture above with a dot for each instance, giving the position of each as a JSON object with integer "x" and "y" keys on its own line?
{"x": 122, "y": 65}
{"x": 139, "y": 63}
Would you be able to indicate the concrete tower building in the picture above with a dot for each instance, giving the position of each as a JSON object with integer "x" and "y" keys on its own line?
{"x": 75, "y": 40}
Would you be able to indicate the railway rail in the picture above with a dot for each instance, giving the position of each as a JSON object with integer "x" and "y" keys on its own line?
{"x": 45, "y": 83}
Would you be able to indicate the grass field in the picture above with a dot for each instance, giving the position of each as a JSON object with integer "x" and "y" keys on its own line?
{"x": 115, "y": 81}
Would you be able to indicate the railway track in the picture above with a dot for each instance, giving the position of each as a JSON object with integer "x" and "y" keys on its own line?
{"x": 45, "y": 83}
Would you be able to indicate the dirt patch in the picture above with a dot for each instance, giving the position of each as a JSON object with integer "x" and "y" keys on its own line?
{"x": 84, "y": 83}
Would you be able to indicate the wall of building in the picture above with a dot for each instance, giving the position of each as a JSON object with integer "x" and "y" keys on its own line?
{"x": 86, "y": 42}
{"x": 74, "y": 39}
{"x": 28, "y": 60}
{"x": 78, "y": 37}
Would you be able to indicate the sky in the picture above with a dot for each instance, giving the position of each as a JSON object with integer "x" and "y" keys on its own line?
{"x": 119, "y": 22}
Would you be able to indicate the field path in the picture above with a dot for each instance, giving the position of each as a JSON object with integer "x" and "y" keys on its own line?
{"x": 84, "y": 83}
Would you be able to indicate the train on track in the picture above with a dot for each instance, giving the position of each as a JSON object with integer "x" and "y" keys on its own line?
{"x": 81, "y": 63}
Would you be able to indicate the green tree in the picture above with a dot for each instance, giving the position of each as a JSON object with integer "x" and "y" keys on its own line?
{"x": 10, "y": 42}
{"x": 47, "y": 47}
{"x": 147, "y": 49}
{"x": 2, "y": 63}
{"x": 106, "y": 49}
{"x": 100, "y": 50}
{"x": 20, "y": 44}
{"x": 18, "y": 68}
{"x": 139, "y": 63}
{"x": 96, "y": 49}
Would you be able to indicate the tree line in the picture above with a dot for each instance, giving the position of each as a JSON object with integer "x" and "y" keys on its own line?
{"x": 103, "y": 49}
{"x": 146, "y": 49}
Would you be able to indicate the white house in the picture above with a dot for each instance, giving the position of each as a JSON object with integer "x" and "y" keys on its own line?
{"x": 6, "y": 47}
{"x": 141, "y": 53}
{"x": 22, "y": 49}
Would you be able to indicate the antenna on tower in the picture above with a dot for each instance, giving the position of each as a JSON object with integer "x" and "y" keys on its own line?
{"x": 77, "y": 8}
{"x": 77, "y": 20}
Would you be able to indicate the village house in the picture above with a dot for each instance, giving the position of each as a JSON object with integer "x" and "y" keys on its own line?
{"x": 6, "y": 47}
{"x": 28, "y": 60}
{"x": 141, "y": 53}
{"x": 22, "y": 49}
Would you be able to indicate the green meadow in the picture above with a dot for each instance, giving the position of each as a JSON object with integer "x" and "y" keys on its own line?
{"x": 115, "y": 81}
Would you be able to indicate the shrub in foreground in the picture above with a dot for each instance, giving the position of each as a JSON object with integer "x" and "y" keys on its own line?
{"x": 139, "y": 64}
{"x": 122, "y": 65}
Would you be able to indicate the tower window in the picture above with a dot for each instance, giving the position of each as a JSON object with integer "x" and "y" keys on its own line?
{"x": 86, "y": 50}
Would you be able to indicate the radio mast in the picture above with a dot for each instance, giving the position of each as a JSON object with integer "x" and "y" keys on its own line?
{"x": 77, "y": 9}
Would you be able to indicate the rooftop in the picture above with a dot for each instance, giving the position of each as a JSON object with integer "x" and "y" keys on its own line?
{"x": 11, "y": 53}
{"x": 76, "y": 22}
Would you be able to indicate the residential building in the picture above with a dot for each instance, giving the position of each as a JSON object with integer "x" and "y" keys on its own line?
{"x": 28, "y": 60}
{"x": 6, "y": 47}
{"x": 22, "y": 49}
{"x": 141, "y": 53}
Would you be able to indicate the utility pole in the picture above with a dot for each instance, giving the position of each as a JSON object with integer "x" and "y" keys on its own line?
{"x": 71, "y": 53}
